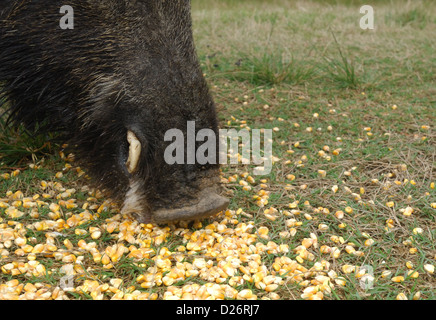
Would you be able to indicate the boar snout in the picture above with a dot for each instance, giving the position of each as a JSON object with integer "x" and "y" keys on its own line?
{"x": 208, "y": 204}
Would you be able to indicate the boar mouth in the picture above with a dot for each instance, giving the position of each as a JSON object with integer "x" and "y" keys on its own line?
{"x": 209, "y": 203}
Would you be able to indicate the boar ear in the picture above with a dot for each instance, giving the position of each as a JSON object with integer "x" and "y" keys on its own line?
{"x": 134, "y": 152}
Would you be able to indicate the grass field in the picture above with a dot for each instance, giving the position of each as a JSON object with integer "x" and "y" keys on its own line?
{"x": 348, "y": 211}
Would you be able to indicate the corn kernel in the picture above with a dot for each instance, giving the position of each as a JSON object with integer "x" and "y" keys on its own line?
{"x": 322, "y": 173}
{"x": 271, "y": 287}
{"x": 80, "y": 232}
{"x": 245, "y": 294}
{"x": 401, "y": 296}
{"x": 398, "y": 279}
{"x": 96, "y": 234}
{"x": 429, "y": 268}
{"x": 323, "y": 227}
{"x": 290, "y": 177}
{"x": 408, "y": 211}
{"x": 369, "y": 242}
{"x": 413, "y": 274}
{"x": 350, "y": 249}
{"x": 348, "y": 268}
{"x": 68, "y": 244}
{"x": 29, "y": 287}
{"x": 263, "y": 232}
{"x": 417, "y": 230}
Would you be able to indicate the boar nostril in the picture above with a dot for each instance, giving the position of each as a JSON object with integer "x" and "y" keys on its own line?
{"x": 209, "y": 204}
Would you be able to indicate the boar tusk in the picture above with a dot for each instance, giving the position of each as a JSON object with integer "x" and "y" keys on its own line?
{"x": 134, "y": 152}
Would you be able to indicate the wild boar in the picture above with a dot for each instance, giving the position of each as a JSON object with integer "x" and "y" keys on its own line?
{"x": 111, "y": 83}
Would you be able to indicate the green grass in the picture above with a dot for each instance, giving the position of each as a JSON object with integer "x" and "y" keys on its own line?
{"x": 17, "y": 145}
{"x": 275, "y": 64}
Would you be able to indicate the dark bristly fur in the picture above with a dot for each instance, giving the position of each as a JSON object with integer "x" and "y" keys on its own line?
{"x": 126, "y": 65}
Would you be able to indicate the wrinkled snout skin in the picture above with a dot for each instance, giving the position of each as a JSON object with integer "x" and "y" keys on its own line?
{"x": 207, "y": 204}
{"x": 112, "y": 86}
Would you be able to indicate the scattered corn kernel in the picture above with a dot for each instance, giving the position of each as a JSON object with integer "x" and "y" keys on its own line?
{"x": 429, "y": 268}
{"x": 398, "y": 279}
{"x": 401, "y": 296}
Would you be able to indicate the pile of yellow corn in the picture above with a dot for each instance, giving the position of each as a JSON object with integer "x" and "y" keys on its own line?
{"x": 52, "y": 235}
{"x": 225, "y": 254}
